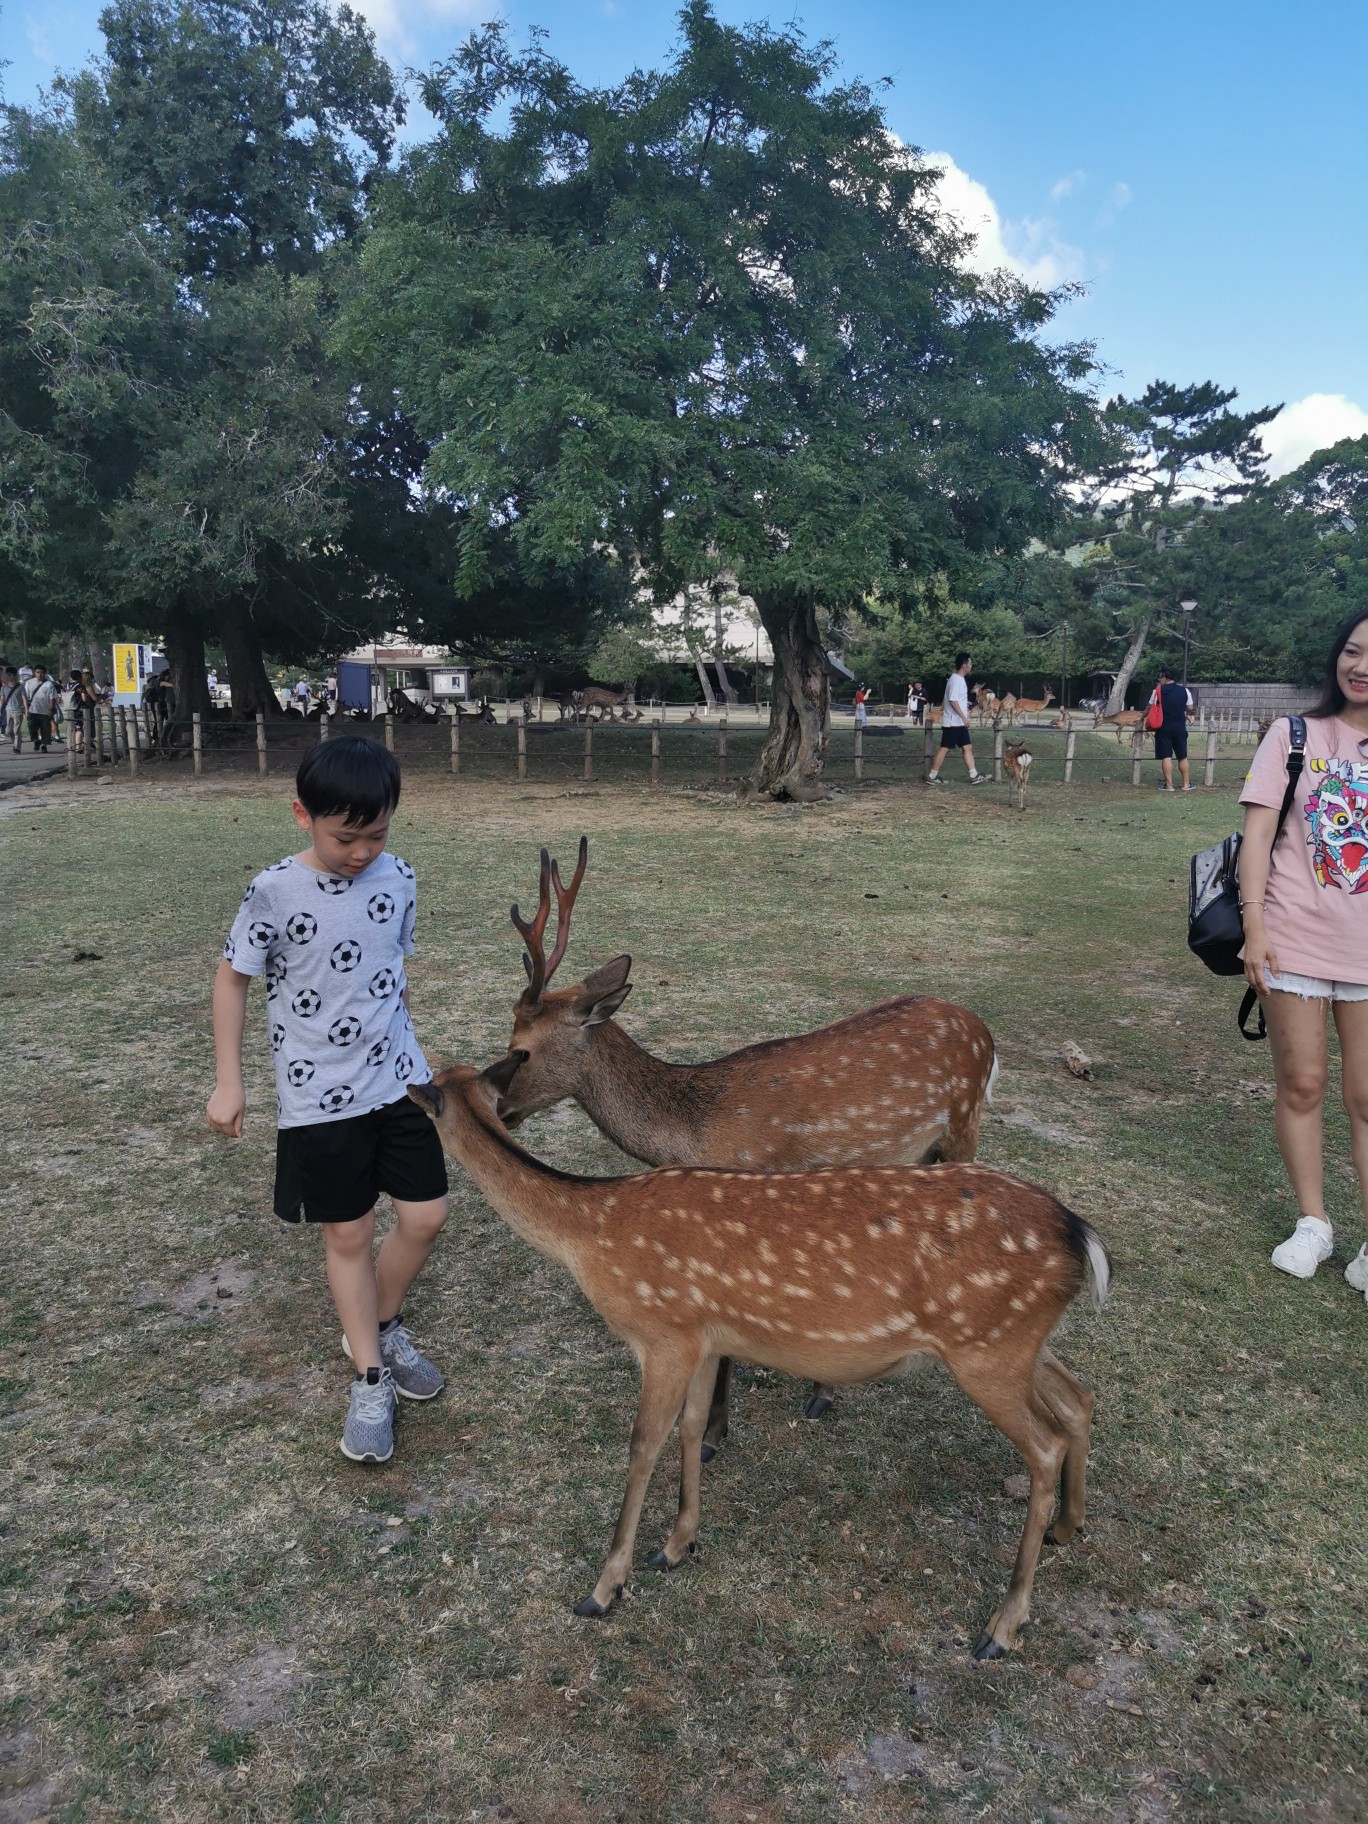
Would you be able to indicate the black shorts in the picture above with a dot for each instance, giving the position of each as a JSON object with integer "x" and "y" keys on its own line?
{"x": 954, "y": 737}
{"x": 333, "y": 1171}
{"x": 1170, "y": 744}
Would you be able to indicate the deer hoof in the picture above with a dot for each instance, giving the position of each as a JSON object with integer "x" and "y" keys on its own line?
{"x": 817, "y": 1407}
{"x": 985, "y": 1647}
{"x": 707, "y": 1452}
{"x": 591, "y": 1608}
{"x": 1050, "y": 1536}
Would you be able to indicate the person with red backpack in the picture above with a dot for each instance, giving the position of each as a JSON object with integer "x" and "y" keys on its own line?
{"x": 1167, "y": 718}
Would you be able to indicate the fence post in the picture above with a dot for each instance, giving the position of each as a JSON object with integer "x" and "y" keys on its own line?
{"x": 130, "y": 740}
{"x": 722, "y": 746}
{"x": 1070, "y": 744}
{"x": 588, "y": 750}
{"x": 859, "y": 752}
{"x": 389, "y": 730}
{"x": 197, "y": 742}
{"x": 261, "y": 741}
{"x": 1137, "y": 751}
{"x": 71, "y": 748}
{"x": 522, "y": 750}
{"x": 455, "y": 741}
{"x": 323, "y": 729}
{"x": 655, "y": 753}
{"x": 998, "y": 739}
{"x": 928, "y": 746}
{"x": 88, "y": 724}
{"x": 1209, "y": 776}
{"x": 119, "y": 720}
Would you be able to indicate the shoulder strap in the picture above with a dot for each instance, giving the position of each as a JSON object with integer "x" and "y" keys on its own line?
{"x": 1296, "y": 759}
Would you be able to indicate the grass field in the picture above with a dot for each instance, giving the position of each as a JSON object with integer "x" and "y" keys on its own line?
{"x": 209, "y": 1614}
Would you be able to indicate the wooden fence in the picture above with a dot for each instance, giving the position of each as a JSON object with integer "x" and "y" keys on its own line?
{"x": 720, "y": 751}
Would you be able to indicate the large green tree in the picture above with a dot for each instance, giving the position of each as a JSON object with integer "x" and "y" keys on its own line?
{"x": 711, "y": 320}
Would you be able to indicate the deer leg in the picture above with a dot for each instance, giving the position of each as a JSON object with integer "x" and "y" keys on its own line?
{"x": 1024, "y": 1420}
{"x": 820, "y": 1402}
{"x": 717, "y": 1412}
{"x": 664, "y": 1383}
{"x": 1071, "y": 1403}
{"x": 691, "y": 1422}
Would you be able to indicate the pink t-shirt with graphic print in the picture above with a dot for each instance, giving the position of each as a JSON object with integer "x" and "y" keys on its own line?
{"x": 1316, "y": 906}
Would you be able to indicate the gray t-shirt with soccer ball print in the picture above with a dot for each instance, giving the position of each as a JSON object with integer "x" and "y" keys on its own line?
{"x": 332, "y": 950}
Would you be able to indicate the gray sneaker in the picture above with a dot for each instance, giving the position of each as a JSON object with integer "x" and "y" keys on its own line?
{"x": 368, "y": 1435}
{"x": 415, "y": 1377}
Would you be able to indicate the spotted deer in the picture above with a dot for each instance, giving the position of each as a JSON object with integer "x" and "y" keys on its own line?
{"x": 1016, "y": 763}
{"x": 1032, "y": 706}
{"x": 843, "y": 1275}
{"x": 904, "y": 1082}
{"x": 1123, "y": 721}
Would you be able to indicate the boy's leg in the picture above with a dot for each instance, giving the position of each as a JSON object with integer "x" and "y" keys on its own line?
{"x": 351, "y": 1279}
{"x": 404, "y": 1251}
{"x": 938, "y": 762}
{"x": 968, "y": 751}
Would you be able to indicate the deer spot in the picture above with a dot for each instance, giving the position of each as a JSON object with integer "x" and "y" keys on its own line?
{"x": 841, "y": 1291}
{"x": 798, "y": 1291}
{"x": 1007, "y": 1244}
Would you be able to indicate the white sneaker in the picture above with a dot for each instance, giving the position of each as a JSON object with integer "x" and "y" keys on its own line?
{"x": 1306, "y": 1247}
{"x": 1357, "y": 1272}
{"x": 978, "y": 778}
{"x": 934, "y": 779}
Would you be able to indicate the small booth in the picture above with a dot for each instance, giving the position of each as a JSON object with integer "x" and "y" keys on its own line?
{"x": 134, "y": 664}
{"x": 367, "y": 676}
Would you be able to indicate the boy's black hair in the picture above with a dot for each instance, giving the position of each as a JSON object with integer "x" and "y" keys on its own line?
{"x": 962, "y": 658}
{"x": 349, "y": 777}
{"x": 1164, "y": 672}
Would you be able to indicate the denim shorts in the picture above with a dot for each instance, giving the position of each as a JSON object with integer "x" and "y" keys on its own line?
{"x": 1316, "y": 987}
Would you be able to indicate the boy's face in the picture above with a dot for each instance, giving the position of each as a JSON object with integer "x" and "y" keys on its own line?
{"x": 342, "y": 847}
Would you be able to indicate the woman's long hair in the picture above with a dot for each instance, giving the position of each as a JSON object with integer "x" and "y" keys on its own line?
{"x": 1332, "y": 699}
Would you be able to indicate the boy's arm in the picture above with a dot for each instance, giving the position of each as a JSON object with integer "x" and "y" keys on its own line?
{"x": 229, "y": 1099}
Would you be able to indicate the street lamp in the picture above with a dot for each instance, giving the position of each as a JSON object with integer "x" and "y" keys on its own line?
{"x": 1188, "y": 609}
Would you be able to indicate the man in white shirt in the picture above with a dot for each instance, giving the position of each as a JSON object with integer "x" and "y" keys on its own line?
{"x": 955, "y": 723}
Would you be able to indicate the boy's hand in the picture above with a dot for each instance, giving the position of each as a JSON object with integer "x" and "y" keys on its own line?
{"x": 225, "y": 1111}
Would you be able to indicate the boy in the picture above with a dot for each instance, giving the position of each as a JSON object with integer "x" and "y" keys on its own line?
{"x": 955, "y": 723}
{"x": 329, "y": 928}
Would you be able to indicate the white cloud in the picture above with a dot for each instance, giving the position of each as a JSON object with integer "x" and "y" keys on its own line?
{"x": 400, "y": 24}
{"x": 1067, "y": 185}
{"x": 1308, "y": 425}
{"x": 1120, "y": 196}
{"x": 1031, "y": 247}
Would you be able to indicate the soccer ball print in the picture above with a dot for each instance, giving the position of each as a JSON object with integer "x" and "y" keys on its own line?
{"x": 346, "y": 955}
{"x": 379, "y": 1051}
{"x": 298, "y": 1072}
{"x": 277, "y": 1036}
{"x": 306, "y": 1003}
{"x": 403, "y": 868}
{"x": 383, "y": 984}
{"x": 301, "y": 928}
{"x": 261, "y": 935}
{"x": 275, "y": 975}
{"x": 381, "y": 908}
{"x": 403, "y": 1067}
{"x": 333, "y": 884}
{"x": 334, "y": 1100}
{"x": 345, "y": 1031}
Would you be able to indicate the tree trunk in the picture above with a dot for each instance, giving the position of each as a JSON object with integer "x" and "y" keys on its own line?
{"x": 704, "y": 679}
{"x": 791, "y": 761}
{"x": 97, "y": 664}
{"x": 1117, "y": 699}
{"x": 185, "y": 655}
{"x": 723, "y": 680}
{"x": 251, "y": 688}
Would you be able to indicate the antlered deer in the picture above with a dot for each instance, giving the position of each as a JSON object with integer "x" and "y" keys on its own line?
{"x": 902, "y": 1083}
{"x": 845, "y": 1274}
{"x": 1016, "y": 761}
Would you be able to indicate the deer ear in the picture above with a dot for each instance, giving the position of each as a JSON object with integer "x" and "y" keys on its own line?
{"x": 502, "y": 1072}
{"x": 605, "y": 1006}
{"x": 428, "y": 1097}
{"x": 605, "y": 980}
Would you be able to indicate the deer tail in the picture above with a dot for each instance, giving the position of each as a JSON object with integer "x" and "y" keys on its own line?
{"x": 993, "y": 1076}
{"x": 1085, "y": 1244}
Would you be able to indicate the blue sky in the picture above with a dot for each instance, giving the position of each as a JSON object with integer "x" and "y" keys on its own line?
{"x": 1201, "y": 168}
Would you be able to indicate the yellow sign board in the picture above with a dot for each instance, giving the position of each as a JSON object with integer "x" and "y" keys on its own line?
{"x": 126, "y": 670}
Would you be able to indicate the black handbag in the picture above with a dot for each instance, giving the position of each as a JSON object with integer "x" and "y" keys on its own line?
{"x": 1215, "y": 917}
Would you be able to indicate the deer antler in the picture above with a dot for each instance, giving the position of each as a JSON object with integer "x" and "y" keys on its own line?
{"x": 540, "y": 968}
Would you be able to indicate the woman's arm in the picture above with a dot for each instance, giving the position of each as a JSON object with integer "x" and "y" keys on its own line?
{"x": 1256, "y": 858}
{"x": 229, "y": 1100}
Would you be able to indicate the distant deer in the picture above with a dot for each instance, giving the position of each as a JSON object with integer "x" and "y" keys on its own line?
{"x": 1124, "y": 720}
{"x": 1016, "y": 762}
{"x": 989, "y": 705}
{"x": 594, "y": 696}
{"x": 904, "y": 1082}
{"x": 1007, "y": 708}
{"x": 1032, "y": 706}
{"x": 845, "y": 1274}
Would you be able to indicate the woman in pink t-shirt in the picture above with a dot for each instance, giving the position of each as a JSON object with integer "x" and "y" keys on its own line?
{"x": 1305, "y": 901}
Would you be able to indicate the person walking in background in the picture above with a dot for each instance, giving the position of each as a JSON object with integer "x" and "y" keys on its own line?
{"x": 73, "y": 704}
{"x": 12, "y": 708}
{"x": 1305, "y": 902}
{"x": 862, "y": 706}
{"x": 916, "y": 701}
{"x": 40, "y": 701}
{"x": 955, "y": 723}
{"x": 1171, "y": 737}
